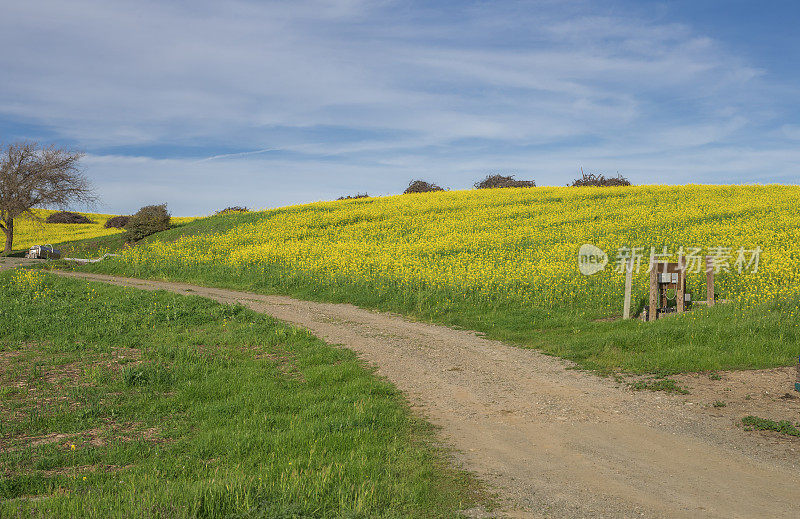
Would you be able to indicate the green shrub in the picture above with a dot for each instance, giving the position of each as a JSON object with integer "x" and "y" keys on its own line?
{"x": 500, "y": 181}
{"x": 117, "y": 222}
{"x": 354, "y": 197}
{"x": 763, "y": 424}
{"x": 590, "y": 179}
{"x": 67, "y": 217}
{"x": 148, "y": 220}
{"x": 420, "y": 186}
{"x": 232, "y": 210}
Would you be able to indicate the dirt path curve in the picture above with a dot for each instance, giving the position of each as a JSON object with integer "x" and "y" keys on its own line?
{"x": 553, "y": 442}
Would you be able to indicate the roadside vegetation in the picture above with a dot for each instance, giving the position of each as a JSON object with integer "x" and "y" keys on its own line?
{"x": 658, "y": 384}
{"x": 763, "y": 424}
{"x": 120, "y": 402}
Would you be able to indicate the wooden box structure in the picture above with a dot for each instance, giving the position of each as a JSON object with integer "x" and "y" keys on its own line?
{"x": 666, "y": 276}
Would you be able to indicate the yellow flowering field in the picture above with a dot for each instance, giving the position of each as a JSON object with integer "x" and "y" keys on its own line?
{"x": 28, "y": 232}
{"x": 509, "y": 246}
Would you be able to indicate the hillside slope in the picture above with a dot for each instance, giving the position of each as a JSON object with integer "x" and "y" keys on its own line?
{"x": 71, "y": 238}
{"x": 504, "y": 262}
{"x": 28, "y": 232}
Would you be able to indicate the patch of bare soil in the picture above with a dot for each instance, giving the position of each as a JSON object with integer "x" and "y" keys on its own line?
{"x": 32, "y": 387}
{"x": 46, "y": 439}
{"x": 766, "y": 393}
{"x": 84, "y": 469}
{"x": 11, "y": 263}
{"x": 110, "y": 432}
{"x": 285, "y": 362}
{"x": 125, "y": 355}
{"x": 558, "y": 442}
{"x": 71, "y": 471}
{"x": 8, "y": 361}
{"x": 69, "y": 373}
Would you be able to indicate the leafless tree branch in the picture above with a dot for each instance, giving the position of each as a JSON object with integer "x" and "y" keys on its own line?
{"x": 35, "y": 176}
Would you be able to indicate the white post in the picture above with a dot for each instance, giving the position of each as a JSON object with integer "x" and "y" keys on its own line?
{"x": 626, "y": 311}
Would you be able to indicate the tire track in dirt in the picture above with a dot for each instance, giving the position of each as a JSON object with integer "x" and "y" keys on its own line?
{"x": 552, "y": 441}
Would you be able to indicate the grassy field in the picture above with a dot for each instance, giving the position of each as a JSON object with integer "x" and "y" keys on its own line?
{"x": 28, "y": 232}
{"x": 124, "y": 403}
{"x": 181, "y": 227}
{"x": 504, "y": 262}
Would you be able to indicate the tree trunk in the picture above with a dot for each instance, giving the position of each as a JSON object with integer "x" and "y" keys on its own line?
{"x": 8, "y": 228}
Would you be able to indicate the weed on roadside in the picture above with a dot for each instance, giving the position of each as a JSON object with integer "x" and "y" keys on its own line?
{"x": 762, "y": 424}
{"x": 667, "y": 385}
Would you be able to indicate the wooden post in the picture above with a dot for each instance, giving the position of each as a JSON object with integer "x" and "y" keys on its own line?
{"x": 652, "y": 313}
{"x": 680, "y": 291}
{"x": 626, "y": 309}
{"x": 709, "y": 281}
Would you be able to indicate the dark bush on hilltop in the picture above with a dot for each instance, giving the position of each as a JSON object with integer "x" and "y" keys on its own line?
{"x": 590, "y": 179}
{"x": 117, "y": 222}
{"x": 354, "y": 197}
{"x": 420, "y": 186}
{"x": 67, "y": 217}
{"x": 148, "y": 220}
{"x": 499, "y": 181}
{"x": 233, "y": 209}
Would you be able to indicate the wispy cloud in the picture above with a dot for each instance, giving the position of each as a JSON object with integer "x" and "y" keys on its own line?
{"x": 384, "y": 90}
{"x": 237, "y": 155}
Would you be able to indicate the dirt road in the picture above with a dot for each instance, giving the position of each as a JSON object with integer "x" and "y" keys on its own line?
{"x": 552, "y": 441}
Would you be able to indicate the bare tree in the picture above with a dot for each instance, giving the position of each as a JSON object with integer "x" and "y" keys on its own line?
{"x": 38, "y": 176}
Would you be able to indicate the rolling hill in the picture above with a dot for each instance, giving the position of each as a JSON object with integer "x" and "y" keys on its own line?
{"x": 504, "y": 262}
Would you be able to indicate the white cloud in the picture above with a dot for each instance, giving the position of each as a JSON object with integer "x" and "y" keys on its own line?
{"x": 382, "y": 91}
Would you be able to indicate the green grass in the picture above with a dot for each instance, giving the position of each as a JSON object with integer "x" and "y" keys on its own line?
{"x": 667, "y": 385}
{"x": 763, "y": 424}
{"x": 178, "y": 406}
{"x": 723, "y": 337}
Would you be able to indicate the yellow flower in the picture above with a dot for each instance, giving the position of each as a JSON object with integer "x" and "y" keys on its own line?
{"x": 504, "y": 246}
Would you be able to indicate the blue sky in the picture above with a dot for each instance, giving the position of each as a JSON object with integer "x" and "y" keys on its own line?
{"x": 205, "y": 104}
